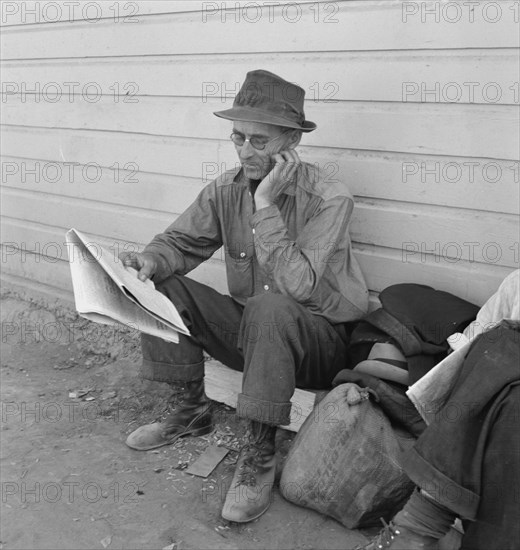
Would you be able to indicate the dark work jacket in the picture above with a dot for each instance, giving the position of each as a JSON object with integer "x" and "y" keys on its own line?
{"x": 417, "y": 319}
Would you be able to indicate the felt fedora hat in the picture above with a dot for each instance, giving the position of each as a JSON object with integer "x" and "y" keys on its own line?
{"x": 267, "y": 98}
{"x": 385, "y": 361}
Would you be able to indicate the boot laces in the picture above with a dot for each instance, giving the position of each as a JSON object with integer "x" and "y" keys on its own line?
{"x": 251, "y": 456}
{"x": 175, "y": 400}
{"x": 384, "y": 539}
{"x": 177, "y": 396}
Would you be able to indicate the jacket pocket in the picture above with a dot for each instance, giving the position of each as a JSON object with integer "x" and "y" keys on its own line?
{"x": 239, "y": 270}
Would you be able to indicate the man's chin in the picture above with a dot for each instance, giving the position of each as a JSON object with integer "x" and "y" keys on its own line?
{"x": 253, "y": 172}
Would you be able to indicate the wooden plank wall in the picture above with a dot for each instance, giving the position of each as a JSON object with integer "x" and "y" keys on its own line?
{"x": 107, "y": 126}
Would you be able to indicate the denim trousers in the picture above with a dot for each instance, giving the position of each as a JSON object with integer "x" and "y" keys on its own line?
{"x": 468, "y": 458}
{"x": 277, "y": 343}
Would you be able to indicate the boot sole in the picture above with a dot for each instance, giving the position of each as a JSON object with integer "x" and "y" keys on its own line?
{"x": 195, "y": 433}
{"x": 249, "y": 519}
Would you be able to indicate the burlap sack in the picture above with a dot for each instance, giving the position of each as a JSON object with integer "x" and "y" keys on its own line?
{"x": 344, "y": 461}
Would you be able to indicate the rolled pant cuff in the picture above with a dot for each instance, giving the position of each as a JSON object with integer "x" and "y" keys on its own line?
{"x": 166, "y": 372}
{"x": 444, "y": 490}
{"x": 267, "y": 412}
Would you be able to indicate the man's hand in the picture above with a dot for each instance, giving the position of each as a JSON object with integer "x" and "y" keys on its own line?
{"x": 143, "y": 262}
{"x": 286, "y": 164}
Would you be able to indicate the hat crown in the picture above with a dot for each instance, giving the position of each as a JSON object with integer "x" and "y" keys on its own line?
{"x": 265, "y": 97}
{"x": 267, "y": 91}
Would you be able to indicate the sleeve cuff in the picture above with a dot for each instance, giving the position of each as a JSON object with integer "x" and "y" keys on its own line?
{"x": 269, "y": 218}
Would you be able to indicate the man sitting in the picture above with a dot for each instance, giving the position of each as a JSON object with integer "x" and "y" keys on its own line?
{"x": 293, "y": 280}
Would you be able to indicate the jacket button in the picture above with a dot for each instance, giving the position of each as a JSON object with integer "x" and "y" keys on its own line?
{"x": 242, "y": 254}
{"x": 266, "y": 287}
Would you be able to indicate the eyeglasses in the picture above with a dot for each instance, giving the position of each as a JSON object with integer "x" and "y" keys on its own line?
{"x": 256, "y": 142}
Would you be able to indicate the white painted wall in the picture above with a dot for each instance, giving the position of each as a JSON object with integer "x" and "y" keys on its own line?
{"x": 435, "y": 174}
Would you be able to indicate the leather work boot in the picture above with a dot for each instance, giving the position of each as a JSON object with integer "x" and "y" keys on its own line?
{"x": 192, "y": 416}
{"x": 395, "y": 537}
{"x": 249, "y": 494}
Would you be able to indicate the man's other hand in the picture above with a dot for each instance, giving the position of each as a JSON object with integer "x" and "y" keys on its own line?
{"x": 143, "y": 262}
{"x": 286, "y": 163}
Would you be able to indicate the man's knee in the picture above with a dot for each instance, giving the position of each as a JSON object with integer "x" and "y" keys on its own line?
{"x": 270, "y": 318}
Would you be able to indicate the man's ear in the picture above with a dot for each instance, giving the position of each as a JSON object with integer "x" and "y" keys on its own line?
{"x": 294, "y": 139}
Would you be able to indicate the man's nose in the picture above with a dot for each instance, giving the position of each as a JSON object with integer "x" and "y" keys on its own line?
{"x": 247, "y": 150}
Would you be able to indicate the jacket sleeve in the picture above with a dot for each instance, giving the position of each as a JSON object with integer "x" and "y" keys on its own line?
{"x": 299, "y": 266}
{"x": 191, "y": 239}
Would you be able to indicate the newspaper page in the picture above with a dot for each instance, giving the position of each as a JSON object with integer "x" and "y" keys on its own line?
{"x": 107, "y": 292}
{"x": 430, "y": 393}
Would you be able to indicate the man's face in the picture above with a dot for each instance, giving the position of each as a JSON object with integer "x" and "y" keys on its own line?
{"x": 258, "y": 163}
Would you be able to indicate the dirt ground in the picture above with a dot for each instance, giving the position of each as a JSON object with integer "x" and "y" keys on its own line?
{"x": 70, "y": 395}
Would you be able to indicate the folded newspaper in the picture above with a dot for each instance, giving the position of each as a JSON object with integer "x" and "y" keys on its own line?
{"x": 107, "y": 292}
{"x": 431, "y": 392}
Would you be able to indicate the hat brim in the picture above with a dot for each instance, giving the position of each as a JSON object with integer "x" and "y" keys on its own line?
{"x": 383, "y": 370}
{"x": 247, "y": 114}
